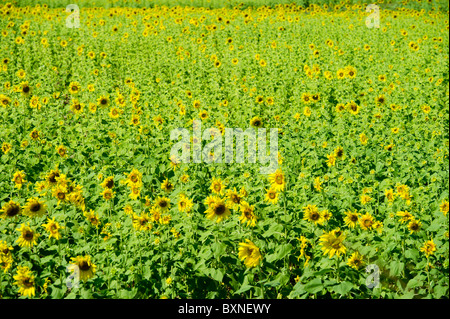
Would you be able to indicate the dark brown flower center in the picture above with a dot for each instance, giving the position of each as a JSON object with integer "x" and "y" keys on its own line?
{"x": 35, "y": 207}
{"x": 110, "y": 183}
{"x": 163, "y": 204}
{"x": 28, "y": 235}
{"x": 84, "y": 266}
{"x": 12, "y": 210}
{"x": 219, "y": 209}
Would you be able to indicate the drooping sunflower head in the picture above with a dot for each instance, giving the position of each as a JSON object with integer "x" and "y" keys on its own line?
{"x": 249, "y": 253}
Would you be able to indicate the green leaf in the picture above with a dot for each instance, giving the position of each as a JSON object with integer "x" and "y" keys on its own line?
{"x": 216, "y": 274}
{"x": 412, "y": 253}
{"x": 314, "y": 286}
{"x": 299, "y": 289}
{"x": 243, "y": 288}
{"x": 439, "y": 291}
{"x": 343, "y": 288}
{"x": 272, "y": 283}
{"x": 284, "y": 251}
{"x": 273, "y": 229}
{"x": 396, "y": 268}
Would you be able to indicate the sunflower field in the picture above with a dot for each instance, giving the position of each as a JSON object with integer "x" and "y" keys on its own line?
{"x": 93, "y": 205}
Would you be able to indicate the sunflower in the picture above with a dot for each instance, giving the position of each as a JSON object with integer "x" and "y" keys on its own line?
{"x": 306, "y": 98}
{"x": 332, "y": 243}
{"x": 353, "y": 108}
{"x": 351, "y": 219}
{"x": 248, "y": 214}
{"x": 28, "y": 237}
{"x": 218, "y": 210}
{"x": 25, "y": 280}
{"x": 51, "y": 177}
{"x": 92, "y": 217}
{"x": 256, "y": 122}
{"x": 60, "y": 193}
{"x": 249, "y": 253}
{"x": 184, "y": 204}
{"x": 277, "y": 180}
{"x": 107, "y": 194}
{"x": 350, "y": 72}
{"x": 62, "y": 151}
{"x": 167, "y": 186}
{"x": 85, "y": 266}
{"x": 331, "y": 159}
{"x": 142, "y": 222}
{"x": 405, "y": 216}
{"x": 444, "y": 207}
{"x": 6, "y": 259}
{"x": 380, "y": 100}
{"x": 135, "y": 120}
{"x": 108, "y": 182}
{"x": 53, "y": 228}
{"x": 271, "y": 196}
{"x": 312, "y": 214}
{"x": 4, "y": 100}
{"x": 162, "y": 204}
{"x": 103, "y": 101}
{"x": 25, "y": 88}
{"x": 389, "y": 194}
{"x": 34, "y": 134}
{"x": 77, "y": 107}
{"x": 134, "y": 178}
{"x": 307, "y": 111}
{"x": 74, "y": 88}
{"x": 10, "y": 210}
{"x": 355, "y": 260}
{"x": 366, "y": 221}
{"x": 428, "y": 248}
{"x": 18, "y": 179}
{"x": 365, "y": 199}
{"x": 363, "y": 139}
{"x": 414, "y": 225}
{"x": 34, "y": 208}
{"x": 203, "y": 114}
{"x": 114, "y": 113}
{"x": 234, "y": 198}
{"x": 340, "y": 107}
{"x": 217, "y": 186}
{"x": 340, "y": 74}
{"x": 339, "y": 151}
